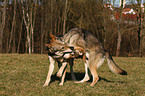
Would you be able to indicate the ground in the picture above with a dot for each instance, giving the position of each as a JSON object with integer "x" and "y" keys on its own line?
{"x": 24, "y": 75}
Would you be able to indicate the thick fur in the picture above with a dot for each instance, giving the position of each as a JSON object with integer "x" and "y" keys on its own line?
{"x": 62, "y": 53}
{"x": 95, "y": 53}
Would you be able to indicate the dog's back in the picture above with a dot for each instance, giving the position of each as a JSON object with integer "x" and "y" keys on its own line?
{"x": 83, "y": 38}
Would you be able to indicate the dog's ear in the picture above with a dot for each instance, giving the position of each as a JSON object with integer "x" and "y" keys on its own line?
{"x": 82, "y": 50}
{"x": 52, "y": 37}
{"x": 79, "y": 49}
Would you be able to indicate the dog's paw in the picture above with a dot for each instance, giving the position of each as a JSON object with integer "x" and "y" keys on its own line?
{"x": 61, "y": 83}
{"x": 45, "y": 85}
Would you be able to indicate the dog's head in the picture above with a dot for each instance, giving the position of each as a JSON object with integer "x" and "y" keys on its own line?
{"x": 57, "y": 48}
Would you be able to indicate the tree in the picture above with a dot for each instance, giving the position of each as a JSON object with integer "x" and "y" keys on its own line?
{"x": 119, "y": 31}
{"x": 12, "y": 36}
{"x": 29, "y": 20}
{"x": 2, "y": 26}
{"x": 27, "y": 24}
{"x": 65, "y": 17}
{"x": 44, "y": 24}
{"x": 32, "y": 21}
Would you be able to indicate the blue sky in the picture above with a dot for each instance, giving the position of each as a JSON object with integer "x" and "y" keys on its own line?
{"x": 117, "y": 2}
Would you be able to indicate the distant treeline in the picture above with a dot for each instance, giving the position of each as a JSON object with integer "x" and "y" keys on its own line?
{"x": 25, "y": 24}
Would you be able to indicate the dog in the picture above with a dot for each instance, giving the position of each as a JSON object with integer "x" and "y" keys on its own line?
{"x": 94, "y": 51}
{"x": 62, "y": 53}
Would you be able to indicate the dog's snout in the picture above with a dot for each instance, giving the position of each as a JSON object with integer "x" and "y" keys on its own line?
{"x": 72, "y": 48}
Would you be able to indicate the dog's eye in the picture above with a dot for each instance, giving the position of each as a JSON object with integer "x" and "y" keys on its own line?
{"x": 71, "y": 47}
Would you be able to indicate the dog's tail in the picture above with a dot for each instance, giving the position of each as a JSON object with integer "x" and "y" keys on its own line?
{"x": 113, "y": 66}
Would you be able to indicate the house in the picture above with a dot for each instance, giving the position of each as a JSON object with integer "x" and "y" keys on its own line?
{"x": 128, "y": 11}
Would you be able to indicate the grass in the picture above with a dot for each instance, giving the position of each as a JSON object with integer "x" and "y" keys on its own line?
{"x": 24, "y": 75}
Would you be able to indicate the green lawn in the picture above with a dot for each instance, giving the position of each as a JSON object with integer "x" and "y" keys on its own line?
{"x": 24, "y": 75}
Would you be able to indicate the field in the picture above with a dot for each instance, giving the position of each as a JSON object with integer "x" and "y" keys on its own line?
{"x": 24, "y": 75}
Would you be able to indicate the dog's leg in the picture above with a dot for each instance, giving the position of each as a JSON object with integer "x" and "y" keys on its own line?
{"x": 95, "y": 63}
{"x": 95, "y": 76}
{"x": 61, "y": 69}
{"x": 51, "y": 68}
{"x": 63, "y": 76}
{"x": 71, "y": 70}
{"x": 86, "y": 78}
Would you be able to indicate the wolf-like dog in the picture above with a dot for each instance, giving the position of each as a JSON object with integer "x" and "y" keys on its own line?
{"x": 63, "y": 54}
{"x": 95, "y": 53}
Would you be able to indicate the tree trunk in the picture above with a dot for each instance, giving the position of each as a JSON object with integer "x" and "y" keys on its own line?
{"x": 18, "y": 48}
{"x": 119, "y": 32}
{"x": 42, "y": 31}
{"x": 65, "y": 17}
{"x": 33, "y": 25}
{"x": 14, "y": 40}
{"x": 139, "y": 29}
{"x": 27, "y": 24}
{"x": 32, "y": 30}
{"x": 2, "y": 25}
{"x": 28, "y": 39}
{"x": 12, "y": 30}
{"x": 51, "y": 17}
{"x": 139, "y": 37}
{"x": 118, "y": 41}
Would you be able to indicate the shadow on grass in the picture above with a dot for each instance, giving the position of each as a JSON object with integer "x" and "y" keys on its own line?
{"x": 79, "y": 76}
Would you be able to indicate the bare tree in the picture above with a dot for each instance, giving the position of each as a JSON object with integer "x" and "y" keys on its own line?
{"x": 2, "y": 25}
{"x": 32, "y": 21}
{"x": 12, "y": 36}
{"x": 139, "y": 22}
{"x": 119, "y": 31}
{"x": 43, "y": 25}
{"x": 51, "y": 16}
{"x": 29, "y": 21}
{"x": 27, "y": 24}
{"x": 20, "y": 36}
{"x": 65, "y": 17}
{"x": 22, "y": 20}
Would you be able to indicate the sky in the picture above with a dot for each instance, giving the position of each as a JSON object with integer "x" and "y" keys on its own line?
{"x": 117, "y": 2}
